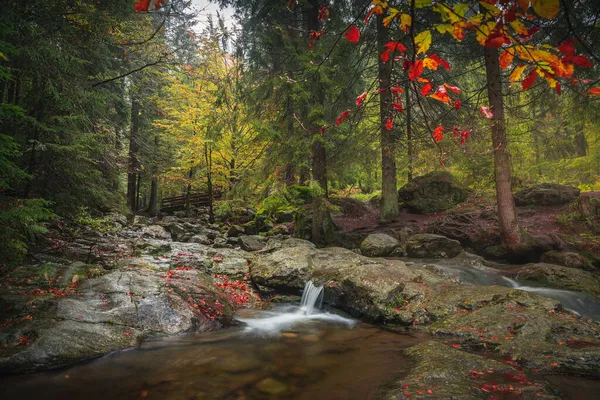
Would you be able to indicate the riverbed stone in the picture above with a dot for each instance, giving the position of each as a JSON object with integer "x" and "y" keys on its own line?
{"x": 432, "y": 193}
{"x": 567, "y": 259}
{"x": 560, "y": 277}
{"x": 546, "y": 194}
{"x": 427, "y": 245}
{"x": 155, "y": 232}
{"x": 378, "y": 245}
{"x": 251, "y": 242}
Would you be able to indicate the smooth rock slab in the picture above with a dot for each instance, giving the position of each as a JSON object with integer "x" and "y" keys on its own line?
{"x": 378, "y": 245}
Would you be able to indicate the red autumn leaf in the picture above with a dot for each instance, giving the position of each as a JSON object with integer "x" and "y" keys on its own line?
{"x": 457, "y": 104}
{"x": 405, "y": 386}
{"x": 353, "y": 34}
{"x": 159, "y": 3}
{"x": 529, "y": 80}
{"x": 440, "y": 61}
{"x": 567, "y": 48}
{"x": 141, "y": 5}
{"x": 360, "y": 99}
{"x": 558, "y": 88}
{"x": 438, "y": 134}
{"x": 395, "y": 46}
{"x": 441, "y": 94}
{"x": 455, "y": 89}
{"x": 323, "y": 13}
{"x": 486, "y": 112}
{"x": 342, "y": 117}
{"x": 398, "y": 107}
{"x": 455, "y": 345}
{"x": 389, "y": 124}
{"x": 582, "y": 61}
{"x": 313, "y": 36}
{"x": 426, "y": 89}
{"x": 594, "y": 91}
{"x": 496, "y": 40}
{"x": 385, "y": 56}
{"x": 397, "y": 91}
{"x": 406, "y": 395}
{"x": 415, "y": 70}
{"x": 455, "y": 131}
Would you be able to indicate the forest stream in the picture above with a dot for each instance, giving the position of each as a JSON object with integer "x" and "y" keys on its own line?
{"x": 288, "y": 352}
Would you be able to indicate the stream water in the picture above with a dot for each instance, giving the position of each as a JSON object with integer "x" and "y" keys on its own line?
{"x": 290, "y": 352}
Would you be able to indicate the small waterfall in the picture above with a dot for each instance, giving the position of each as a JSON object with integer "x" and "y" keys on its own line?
{"x": 311, "y": 297}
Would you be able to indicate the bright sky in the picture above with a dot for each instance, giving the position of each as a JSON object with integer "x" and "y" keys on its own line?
{"x": 204, "y": 8}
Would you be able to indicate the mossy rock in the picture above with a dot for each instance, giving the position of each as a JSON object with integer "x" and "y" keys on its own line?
{"x": 432, "y": 193}
{"x": 546, "y": 194}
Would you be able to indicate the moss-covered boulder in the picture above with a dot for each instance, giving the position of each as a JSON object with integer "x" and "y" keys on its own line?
{"x": 432, "y": 193}
{"x": 567, "y": 259}
{"x": 546, "y": 194}
{"x": 559, "y": 277}
{"x": 428, "y": 245}
{"x": 378, "y": 245}
{"x": 441, "y": 371}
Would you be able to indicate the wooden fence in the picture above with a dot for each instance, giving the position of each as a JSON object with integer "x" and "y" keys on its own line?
{"x": 196, "y": 199}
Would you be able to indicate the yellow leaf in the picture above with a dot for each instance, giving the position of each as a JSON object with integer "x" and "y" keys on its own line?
{"x": 492, "y": 9}
{"x": 484, "y": 31}
{"x": 516, "y": 74}
{"x": 430, "y": 63}
{"x": 405, "y": 21}
{"x": 3, "y": 57}
{"x": 476, "y": 19}
{"x": 519, "y": 27}
{"x": 422, "y": 3}
{"x": 546, "y": 8}
{"x": 423, "y": 41}
{"x": 393, "y": 13}
{"x": 444, "y": 28}
{"x": 461, "y": 9}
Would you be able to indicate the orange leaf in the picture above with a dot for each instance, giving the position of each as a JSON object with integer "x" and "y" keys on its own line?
{"x": 505, "y": 59}
{"x": 389, "y": 124}
{"x": 440, "y": 61}
{"x": 455, "y": 89}
{"x": 524, "y": 5}
{"x": 361, "y": 98}
{"x": 594, "y": 91}
{"x": 546, "y": 8}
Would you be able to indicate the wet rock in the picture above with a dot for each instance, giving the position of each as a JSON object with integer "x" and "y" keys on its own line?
{"x": 378, "y": 245}
{"x": 441, "y": 371}
{"x": 427, "y": 245}
{"x": 251, "y": 242}
{"x": 272, "y": 386}
{"x": 566, "y": 259}
{"x": 112, "y": 312}
{"x": 559, "y": 277}
{"x": 156, "y": 232}
{"x": 276, "y": 244}
{"x": 546, "y": 194}
{"x": 235, "y": 230}
{"x": 200, "y": 239}
{"x": 432, "y": 193}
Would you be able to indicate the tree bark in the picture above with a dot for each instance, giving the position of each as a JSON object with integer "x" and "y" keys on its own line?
{"x": 507, "y": 212}
{"x": 318, "y": 153}
{"x": 188, "y": 193}
{"x": 153, "y": 206}
{"x": 208, "y": 159}
{"x": 133, "y": 148}
{"x": 389, "y": 190}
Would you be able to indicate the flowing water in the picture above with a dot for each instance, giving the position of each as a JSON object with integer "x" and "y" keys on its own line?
{"x": 581, "y": 303}
{"x": 290, "y": 352}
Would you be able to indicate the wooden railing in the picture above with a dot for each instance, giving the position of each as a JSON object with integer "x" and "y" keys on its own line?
{"x": 196, "y": 199}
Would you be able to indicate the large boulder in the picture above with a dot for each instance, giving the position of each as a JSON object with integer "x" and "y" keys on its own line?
{"x": 546, "y": 194}
{"x": 108, "y": 313}
{"x": 155, "y": 232}
{"x": 378, "y": 245}
{"x": 559, "y": 277}
{"x": 427, "y": 245}
{"x": 566, "y": 259}
{"x": 251, "y": 242}
{"x": 432, "y": 193}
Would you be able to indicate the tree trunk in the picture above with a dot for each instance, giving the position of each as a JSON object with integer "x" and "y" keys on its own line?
{"x": 507, "y": 212}
{"x": 188, "y": 193}
{"x": 138, "y": 205}
{"x": 409, "y": 141}
{"x": 580, "y": 140}
{"x": 153, "y": 206}
{"x": 208, "y": 159}
{"x": 318, "y": 154}
{"x": 133, "y": 163}
{"x": 389, "y": 190}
